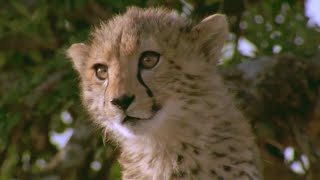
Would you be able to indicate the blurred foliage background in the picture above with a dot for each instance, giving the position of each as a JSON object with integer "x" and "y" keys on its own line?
{"x": 271, "y": 63}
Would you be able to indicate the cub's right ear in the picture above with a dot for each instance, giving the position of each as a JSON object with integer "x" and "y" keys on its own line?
{"x": 78, "y": 53}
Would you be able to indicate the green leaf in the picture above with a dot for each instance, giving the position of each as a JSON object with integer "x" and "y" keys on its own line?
{"x": 20, "y": 8}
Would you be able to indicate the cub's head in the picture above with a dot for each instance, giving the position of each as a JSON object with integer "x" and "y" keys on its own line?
{"x": 143, "y": 69}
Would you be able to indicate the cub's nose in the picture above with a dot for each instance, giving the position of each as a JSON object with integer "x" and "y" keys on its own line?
{"x": 123, "y": 102}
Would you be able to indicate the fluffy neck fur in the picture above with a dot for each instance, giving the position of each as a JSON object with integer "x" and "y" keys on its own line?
{"x": 208, "y": 139}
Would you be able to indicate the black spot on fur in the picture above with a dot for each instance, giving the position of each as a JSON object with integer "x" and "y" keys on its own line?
{"x": 196, "y": 151}
{"x": 183, "y": 83}
{"x": 243, "y": 162}
{"x": 193, "y": 86}
{"x": 184, "y": 146}
{"x": 185, "y": 108}
{"x": 220, "y": 178}
{"x": 218, "y": 155}
{"x": 156, "y": 107}
{"x": 177, "y": 67}
{"x": 232, "y": 149}
{"x": 195, "y": 93}
{"x": 191, "y": 101}
{"x": 174, "y": 65}
{"x": 213, "y": 172}
{"x": 180, "y": 159}
{"x": 189, "y": 76}
{"x": 196, "y": 170}
{"x": 226, "y": 168}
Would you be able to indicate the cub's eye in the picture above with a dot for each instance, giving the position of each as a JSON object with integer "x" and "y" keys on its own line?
{"x": 101, "y": 71}
{"x": 149, "y": 59}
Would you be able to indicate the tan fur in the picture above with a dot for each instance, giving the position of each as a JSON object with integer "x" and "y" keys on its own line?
{"x": 197, "y": 133}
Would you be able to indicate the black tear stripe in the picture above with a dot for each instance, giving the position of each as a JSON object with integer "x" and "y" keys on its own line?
{"x": 149, "y": 92}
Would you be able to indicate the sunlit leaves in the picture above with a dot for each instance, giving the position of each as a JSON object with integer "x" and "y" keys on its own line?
{"x": 279, "y": 24}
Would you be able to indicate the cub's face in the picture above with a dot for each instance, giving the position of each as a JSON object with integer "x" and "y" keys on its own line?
{"x": 139, "y": 68}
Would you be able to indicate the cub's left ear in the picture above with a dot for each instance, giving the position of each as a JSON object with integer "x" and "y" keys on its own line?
{"x": 78, "y": 54}
{"x": 210, "y": 35}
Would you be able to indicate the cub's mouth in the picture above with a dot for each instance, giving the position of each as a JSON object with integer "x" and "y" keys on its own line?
{"x": 132, "y": 120}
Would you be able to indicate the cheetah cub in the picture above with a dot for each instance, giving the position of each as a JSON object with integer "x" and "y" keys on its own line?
{"x": 148, "y": 78}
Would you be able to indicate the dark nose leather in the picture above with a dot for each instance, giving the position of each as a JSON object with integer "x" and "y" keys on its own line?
{"x": 123, "y": 102}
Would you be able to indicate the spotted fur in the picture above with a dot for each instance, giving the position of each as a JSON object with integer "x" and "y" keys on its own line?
{"x": 189, "y": 127}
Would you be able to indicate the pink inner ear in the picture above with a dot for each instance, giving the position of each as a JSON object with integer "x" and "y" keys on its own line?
{"x": 77, "y": 53}
{"x": 214, "y": 25}
{"x": 212, "y": 33}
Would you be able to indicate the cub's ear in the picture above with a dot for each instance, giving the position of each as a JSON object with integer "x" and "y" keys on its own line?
{"x": 78, "y": 53}
{"x": 210, "y": 35}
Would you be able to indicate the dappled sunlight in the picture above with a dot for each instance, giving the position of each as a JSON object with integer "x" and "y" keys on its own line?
{"x": 312, "y": 12}
{"x": 60, "y": 139}
{"x": 246, "y": 47}
{"x": 298, "y": 163}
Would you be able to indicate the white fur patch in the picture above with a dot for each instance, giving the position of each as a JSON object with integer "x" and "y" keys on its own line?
{"x": 114, "y": 125}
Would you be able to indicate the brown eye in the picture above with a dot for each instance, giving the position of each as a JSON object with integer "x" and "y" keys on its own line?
{"x": 149, "y": 59}
{"x": 101, "y": 71}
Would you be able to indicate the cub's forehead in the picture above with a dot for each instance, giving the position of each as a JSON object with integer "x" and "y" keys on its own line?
{"x": 137, "y": 28}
